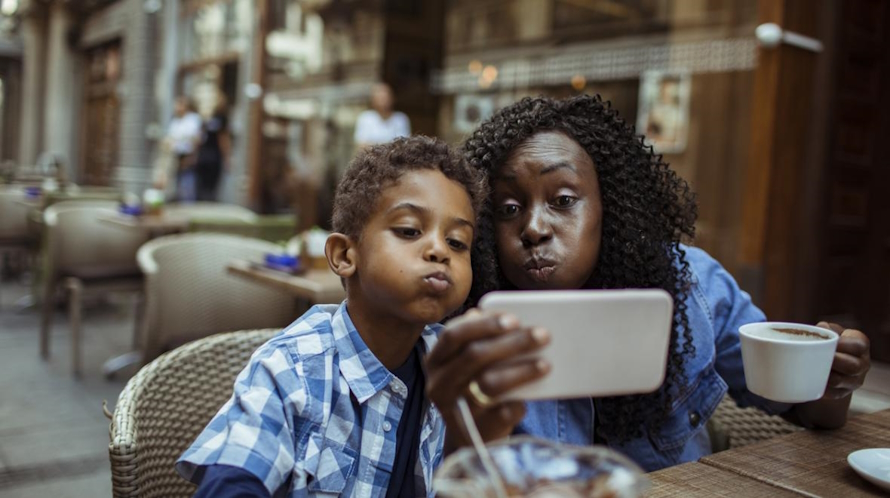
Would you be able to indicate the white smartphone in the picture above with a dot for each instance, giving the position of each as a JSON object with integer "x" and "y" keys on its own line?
{"x": 603, "y": 342}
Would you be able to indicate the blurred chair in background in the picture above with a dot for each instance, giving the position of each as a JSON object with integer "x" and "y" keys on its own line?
{"x": 164, "y": 407}
{"x": 89, "y": 257}
{"x": 15, "y": 236}
{"x": 191, "y": 295}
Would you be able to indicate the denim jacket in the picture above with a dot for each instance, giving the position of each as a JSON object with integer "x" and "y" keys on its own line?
{"x": 716, "y": 307}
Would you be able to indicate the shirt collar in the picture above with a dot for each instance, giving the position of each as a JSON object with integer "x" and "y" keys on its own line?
{"x": 364, "y": 373}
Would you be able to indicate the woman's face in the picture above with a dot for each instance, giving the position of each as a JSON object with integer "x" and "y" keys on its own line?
{"x": 548, "y": 214}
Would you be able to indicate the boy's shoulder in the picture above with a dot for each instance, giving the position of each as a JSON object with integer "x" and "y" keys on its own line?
{"x": 310, "y": 335}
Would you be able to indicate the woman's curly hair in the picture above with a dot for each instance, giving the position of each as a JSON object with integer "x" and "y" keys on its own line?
{"x": 647, "y": 212}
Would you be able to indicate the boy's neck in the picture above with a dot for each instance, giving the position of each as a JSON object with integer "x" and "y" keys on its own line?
{"x": 389, "y": 338}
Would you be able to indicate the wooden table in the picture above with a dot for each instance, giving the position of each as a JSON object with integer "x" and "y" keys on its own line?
{"x": 156, "y": 224}
{"x": 315, "y": 286}
{"x": 807, "y": 463}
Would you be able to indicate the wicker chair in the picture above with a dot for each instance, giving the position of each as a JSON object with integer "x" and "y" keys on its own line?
{"x": 166, "y": 405}
{"x": 732, "y": 427}
{"x": 88, "y": 256}
{"x": 190, "y": 295}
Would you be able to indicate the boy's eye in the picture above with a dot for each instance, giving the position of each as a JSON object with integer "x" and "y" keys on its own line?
{"x": 406, "y": 232}
{"x": 565, "y": 201}
{"x": 457, "y": 245}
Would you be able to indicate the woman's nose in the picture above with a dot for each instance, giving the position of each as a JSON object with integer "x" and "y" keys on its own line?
{"x": 537, "y": 230}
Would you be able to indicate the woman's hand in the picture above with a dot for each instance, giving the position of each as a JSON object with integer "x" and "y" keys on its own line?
{"x": 474, "y": 347}
{"x": 851, "y": 362}
{"x": 848, "y": 370}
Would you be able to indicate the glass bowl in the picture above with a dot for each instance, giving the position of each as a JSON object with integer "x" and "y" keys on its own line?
{"x": 539, "y": 468}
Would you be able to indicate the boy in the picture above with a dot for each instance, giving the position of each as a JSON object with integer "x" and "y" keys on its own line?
{"x": 335, "y": 404}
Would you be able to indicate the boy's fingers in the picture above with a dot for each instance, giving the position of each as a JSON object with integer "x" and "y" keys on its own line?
{"x": 465, "y": 330}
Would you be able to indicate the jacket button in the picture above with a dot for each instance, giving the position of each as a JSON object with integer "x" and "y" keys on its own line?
{"x": 694, "y": 419}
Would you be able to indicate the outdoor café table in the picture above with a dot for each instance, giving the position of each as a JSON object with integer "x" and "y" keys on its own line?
{"x": 810, "y": 463}
{"x": 317, "y": 286}
{"x": 697, "y": 480}
{"x": 155, "y": 224}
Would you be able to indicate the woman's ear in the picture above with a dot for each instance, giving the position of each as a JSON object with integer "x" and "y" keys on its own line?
{"x": 340, "y": 253}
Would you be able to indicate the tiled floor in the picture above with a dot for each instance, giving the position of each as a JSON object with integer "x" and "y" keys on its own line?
{"x": 53, "y": 434}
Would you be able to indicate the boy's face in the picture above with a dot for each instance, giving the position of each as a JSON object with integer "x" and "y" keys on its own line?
{"x": 548, "y": 214}
{"x": 413, "y": 257}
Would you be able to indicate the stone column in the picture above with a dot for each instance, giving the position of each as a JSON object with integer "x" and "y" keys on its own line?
{"x": 137, "y": 93}
{"x": 33, "y": 34}
{"x": 59, "y": 127}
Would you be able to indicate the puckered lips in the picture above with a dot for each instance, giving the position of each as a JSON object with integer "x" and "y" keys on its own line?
{"x": 539, "y": 268}
{"x": 438, "y": 282}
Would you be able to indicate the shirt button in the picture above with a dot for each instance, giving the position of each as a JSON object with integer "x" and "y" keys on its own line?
{"x": 694, "y": 419}
{"x": 387, "y": 426}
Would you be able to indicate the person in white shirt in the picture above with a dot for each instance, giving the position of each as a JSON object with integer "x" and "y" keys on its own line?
{"x": 380, "y": 124}
{"x": 184, "y": 133}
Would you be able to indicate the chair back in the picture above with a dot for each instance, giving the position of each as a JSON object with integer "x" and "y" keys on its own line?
{"x": 190, "y": 294}
{"x": 13, "y": 214}
{"x": 744, "y": 426}
{"x": 77, "y": 238}
{"x": 166, "y": 405}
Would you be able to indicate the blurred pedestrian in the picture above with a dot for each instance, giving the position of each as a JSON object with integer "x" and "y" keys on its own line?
{"x": 184, "y": 133}
{"x": 380, "y": 124}
{"x": 213, "y": 152}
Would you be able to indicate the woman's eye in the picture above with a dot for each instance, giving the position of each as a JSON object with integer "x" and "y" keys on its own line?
{"x": 457, "y": 245}
{"x": 406, "y": 232}
{"x": 565, "y": 201}
{"x": 507, "y": 210}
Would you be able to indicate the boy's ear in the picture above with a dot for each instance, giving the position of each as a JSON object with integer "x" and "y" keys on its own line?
{"x": 340, "y": 252}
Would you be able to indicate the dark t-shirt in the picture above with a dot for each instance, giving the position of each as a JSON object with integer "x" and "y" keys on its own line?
{"x": 403, "y": 483}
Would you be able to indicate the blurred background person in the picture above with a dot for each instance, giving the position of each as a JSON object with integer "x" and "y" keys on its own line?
{"x": 213, "y": 151}
{"x": 380, "y": 124}
{"x": 184, "y": 133}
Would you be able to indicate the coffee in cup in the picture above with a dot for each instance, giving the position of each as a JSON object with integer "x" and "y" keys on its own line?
{"x": 787, "y": 362}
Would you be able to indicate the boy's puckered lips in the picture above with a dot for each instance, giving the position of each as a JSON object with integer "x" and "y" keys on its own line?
{"x": 438, "y": 281}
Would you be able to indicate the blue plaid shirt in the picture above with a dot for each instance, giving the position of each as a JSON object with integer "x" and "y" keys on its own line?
{"x": 316, "y": 407}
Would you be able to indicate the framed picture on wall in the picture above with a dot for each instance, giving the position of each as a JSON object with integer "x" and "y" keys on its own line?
{"x": 664, "y": 110}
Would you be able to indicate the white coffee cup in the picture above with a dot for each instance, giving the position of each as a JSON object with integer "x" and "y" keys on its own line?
{"x": 785, "y": 366}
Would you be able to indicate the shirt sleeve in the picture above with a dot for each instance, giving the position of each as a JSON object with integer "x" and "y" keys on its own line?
{"x": 224, "y": 481}
{"x": 405, "y": 128}
{"x": 253, "y": 430}
{"x": 362, "y": 129}
{"x": 729, "y": 308}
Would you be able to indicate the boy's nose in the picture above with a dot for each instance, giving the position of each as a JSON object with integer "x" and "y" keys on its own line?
{"x": 437, "y": 251}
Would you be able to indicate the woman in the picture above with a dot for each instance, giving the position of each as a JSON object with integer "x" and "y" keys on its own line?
{"x": 579, "y": 202}
{"x": 213, "y": 152}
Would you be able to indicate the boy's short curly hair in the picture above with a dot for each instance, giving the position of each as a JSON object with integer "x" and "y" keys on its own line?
{"x": 381, "y": 166}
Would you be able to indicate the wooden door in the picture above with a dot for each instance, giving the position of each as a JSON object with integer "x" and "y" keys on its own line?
{"x": 855, "y": 252}
{"x": 101, "y": 115}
